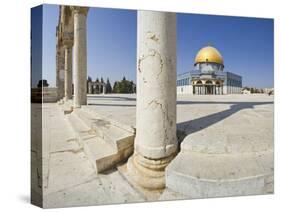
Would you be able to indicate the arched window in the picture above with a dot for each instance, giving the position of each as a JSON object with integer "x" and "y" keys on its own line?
{"x": 209, "y": 82}
{"x": 199, "y": 82}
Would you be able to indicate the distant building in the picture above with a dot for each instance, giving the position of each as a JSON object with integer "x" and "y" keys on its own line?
{"x": 96, "y": 87}
{"x": 268, "y": 90}
{"x": 208, "y": 76}
{"x": 246, "y": 91}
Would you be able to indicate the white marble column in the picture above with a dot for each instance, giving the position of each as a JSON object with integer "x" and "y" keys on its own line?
{"x": 156, "y": 141}
{"x": 68, "y": 71}
{"x": 103, "y": 89}
{"x": 90, "y": 88}
{"x": 80, "y": 56}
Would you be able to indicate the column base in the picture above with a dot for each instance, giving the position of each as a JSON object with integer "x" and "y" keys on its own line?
{"x": 148, "y": 173}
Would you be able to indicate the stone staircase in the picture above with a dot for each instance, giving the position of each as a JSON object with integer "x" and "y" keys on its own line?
{"x": 105, "y": 142}
{"x": 66, "y": 106}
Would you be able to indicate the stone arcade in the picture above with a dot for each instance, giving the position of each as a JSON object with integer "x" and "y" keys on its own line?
{"x": 152, "y": 148}
{"x": 71, "y": 33}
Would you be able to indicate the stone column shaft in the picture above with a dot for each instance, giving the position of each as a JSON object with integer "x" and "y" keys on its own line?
{"x": 90, "y": 88}
{"x": 68, "y": 72}
{"x": 80, "y": 56}
{"x": 60, "y": 73}
{"x": 156, "y": 140}
{"x": 104, "y": 89}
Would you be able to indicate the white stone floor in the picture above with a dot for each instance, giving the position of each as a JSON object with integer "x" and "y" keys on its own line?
{"x": 70, "y": 180}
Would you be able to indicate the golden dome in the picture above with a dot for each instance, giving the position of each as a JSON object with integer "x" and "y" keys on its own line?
{"x": 209, "y": 54}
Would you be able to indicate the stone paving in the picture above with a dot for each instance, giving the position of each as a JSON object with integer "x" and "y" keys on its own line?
{"x": 193, "y": 108}
{"x": 69, "y": 179}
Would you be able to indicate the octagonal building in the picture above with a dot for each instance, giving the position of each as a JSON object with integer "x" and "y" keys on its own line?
{"x": 208, "y": 76}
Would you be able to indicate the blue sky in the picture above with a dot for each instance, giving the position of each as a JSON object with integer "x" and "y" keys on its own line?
{"x": 246, "y": 44}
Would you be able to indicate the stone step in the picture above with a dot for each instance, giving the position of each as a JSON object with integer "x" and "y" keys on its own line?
{"x": 130, "y": 129}
{"x": 104, "y": 145}
{"x": 119, "y": 138}
{"x": 202, "y": 175}
{"x": 78, "y": 126}
{"x": 100, "y": 153}
{"x": 66, "y": 106}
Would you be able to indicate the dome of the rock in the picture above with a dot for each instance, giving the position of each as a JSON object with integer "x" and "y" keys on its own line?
{"x": 208, "y": 54}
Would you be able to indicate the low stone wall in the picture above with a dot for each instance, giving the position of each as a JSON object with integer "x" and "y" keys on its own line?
{"x": 44, "y": 95}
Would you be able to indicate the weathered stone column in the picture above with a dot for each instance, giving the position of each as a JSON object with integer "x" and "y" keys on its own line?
{"x": 156, "y": 141}
{"x": 80, "y": 56}
{"x": 60, "y": 73}
{"x": 68, "y": 70}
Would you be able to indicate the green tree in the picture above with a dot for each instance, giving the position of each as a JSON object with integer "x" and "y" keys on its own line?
{"x": 42, "y": 83}
{"x": 115, "y": 87}
{"x": 124, "y": 86}
{"x": 252, "y": 90}
{"x": 97, "y": 86}
{"x": 108, "y": 86}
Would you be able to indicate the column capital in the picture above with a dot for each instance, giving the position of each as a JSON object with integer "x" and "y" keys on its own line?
{"x": 83, "y": 10}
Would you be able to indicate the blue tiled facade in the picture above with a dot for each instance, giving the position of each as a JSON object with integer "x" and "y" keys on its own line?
{"x": 229, "y": 82}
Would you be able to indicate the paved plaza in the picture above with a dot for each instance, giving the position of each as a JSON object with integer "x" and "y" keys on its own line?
{"x": 203, "y": 110}
{"x": 69, "y": 178}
